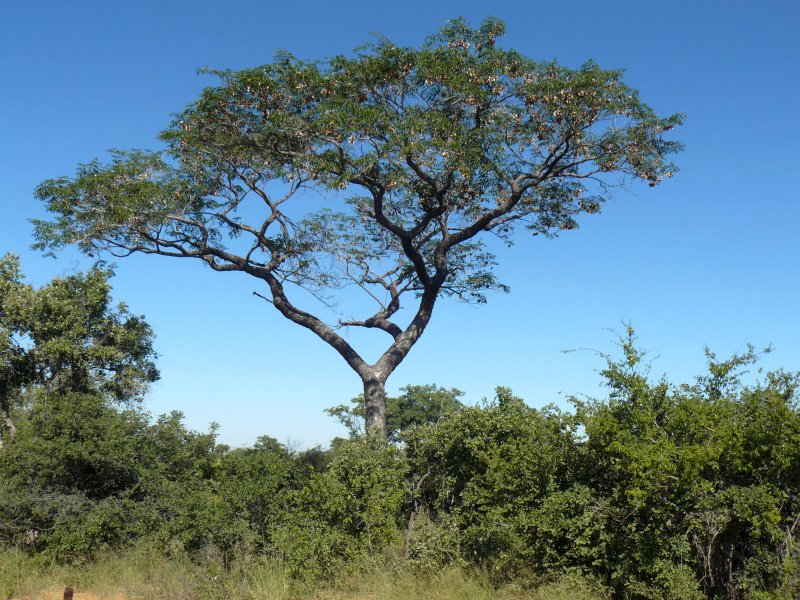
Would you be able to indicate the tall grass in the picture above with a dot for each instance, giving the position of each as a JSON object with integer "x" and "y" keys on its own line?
{"x": 143, "y": 574}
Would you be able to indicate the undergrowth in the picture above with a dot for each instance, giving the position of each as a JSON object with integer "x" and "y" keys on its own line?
{"x": 142, "y": 574}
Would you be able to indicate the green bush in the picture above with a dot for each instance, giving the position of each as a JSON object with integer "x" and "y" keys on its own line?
{"x": 657, "y": 491}
{"x": 701, "y": 477}
{"x": 345, "y": 514}
{"x": 490, "y": 468}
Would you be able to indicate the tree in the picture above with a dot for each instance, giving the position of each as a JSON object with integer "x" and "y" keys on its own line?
{"x": 16, "y": 367}
{"x": 82, "y": 343}
{"x": 67, "y": 338}
{"x": 425, "y": 151}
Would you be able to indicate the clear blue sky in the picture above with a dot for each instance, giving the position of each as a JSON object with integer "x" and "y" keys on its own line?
{"x": 710, "y": 258}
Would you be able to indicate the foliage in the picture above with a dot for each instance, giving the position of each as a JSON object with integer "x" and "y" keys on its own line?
{"x": 657, "y": 490}
{"x": 76, "y": 479}
{"x": 16, "y": 364}
{"x": 67, "y": 338}
{"x": 494, "y": 471}
{"x": 346, "y": 513}
{"x": 701, "y": 478}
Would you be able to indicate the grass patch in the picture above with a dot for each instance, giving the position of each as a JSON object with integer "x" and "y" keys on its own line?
{"x": 143, "y": 574}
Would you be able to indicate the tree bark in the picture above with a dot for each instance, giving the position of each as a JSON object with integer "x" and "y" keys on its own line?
{"x": 7, "y": 423}
{"x": 375, "y": 406}
{"x": 12, "y": 430}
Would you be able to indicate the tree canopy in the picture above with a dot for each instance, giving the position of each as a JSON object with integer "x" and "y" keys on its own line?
{"x": 421, "y": 152}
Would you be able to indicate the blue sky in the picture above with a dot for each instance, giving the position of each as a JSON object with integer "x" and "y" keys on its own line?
{"x": 710, "y": 258}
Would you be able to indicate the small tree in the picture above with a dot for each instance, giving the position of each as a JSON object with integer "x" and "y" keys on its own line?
{"x": 67, "y": 338}
{"x": 425, "y": 150}
{"x": 16, "y": 365}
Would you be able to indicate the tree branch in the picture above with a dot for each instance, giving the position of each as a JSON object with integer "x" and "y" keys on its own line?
{"x": 312, "y": 323}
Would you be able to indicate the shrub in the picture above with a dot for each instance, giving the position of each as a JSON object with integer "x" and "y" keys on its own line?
{"x": 346, "y": 513}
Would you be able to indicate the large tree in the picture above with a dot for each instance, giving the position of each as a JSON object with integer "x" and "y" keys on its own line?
{"x": 423, "y": 152}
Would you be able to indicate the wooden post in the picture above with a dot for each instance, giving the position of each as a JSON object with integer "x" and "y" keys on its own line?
{"x": 68, "y": 592}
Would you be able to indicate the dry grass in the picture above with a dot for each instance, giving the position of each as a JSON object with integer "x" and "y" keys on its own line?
{"x": 143, "y": 575}
{"x": 455, "y": 584}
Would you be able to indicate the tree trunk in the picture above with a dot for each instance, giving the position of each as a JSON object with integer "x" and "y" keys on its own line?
{"x": 7, "y": 423}
{"x": 375, "y": 406}
{"x": 12, "y": 430}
